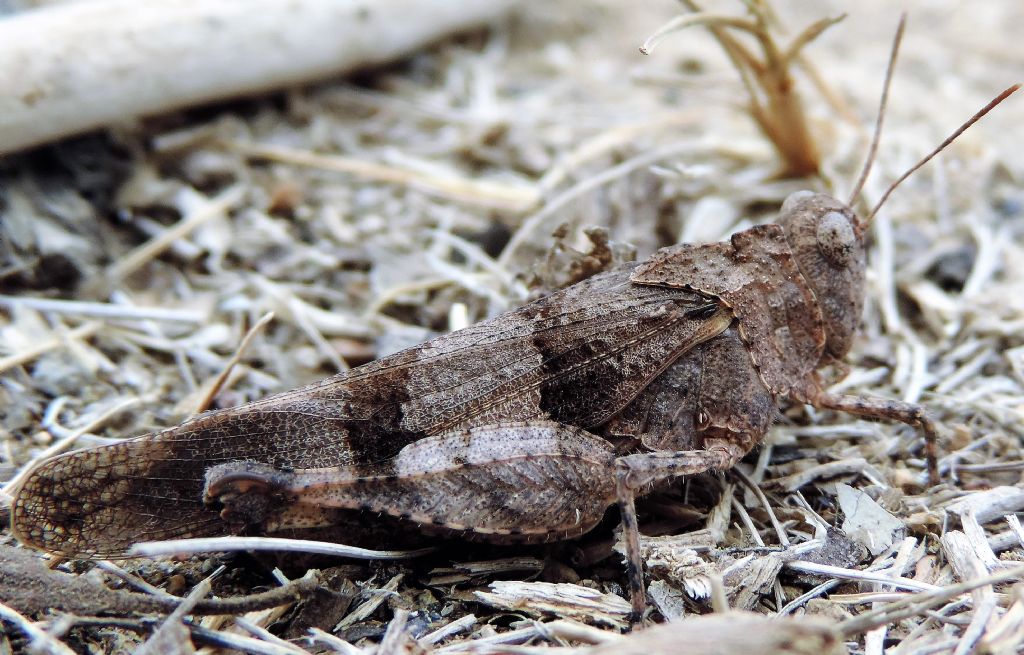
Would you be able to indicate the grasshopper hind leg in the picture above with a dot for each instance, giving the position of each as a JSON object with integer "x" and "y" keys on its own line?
{"x": 505, "y": 483}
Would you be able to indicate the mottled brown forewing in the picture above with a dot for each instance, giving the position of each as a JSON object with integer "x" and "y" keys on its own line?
{"x": 576, "y": 357}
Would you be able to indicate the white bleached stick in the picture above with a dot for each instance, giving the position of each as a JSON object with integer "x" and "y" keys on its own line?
{"x": 72, "y": 67}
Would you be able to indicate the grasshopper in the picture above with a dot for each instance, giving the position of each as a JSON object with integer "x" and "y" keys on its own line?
{"x": 523, "y": 428}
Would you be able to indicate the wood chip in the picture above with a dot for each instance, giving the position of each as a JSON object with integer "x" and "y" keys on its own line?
{"x": 732, "y": 633}
{"x": 563, "y": 600}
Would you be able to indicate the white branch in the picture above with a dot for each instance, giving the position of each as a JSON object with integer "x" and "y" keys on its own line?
{"x": 79, "y": 66}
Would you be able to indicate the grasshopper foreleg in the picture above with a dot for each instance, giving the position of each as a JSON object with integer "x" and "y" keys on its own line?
{"x": 889, "y": 410}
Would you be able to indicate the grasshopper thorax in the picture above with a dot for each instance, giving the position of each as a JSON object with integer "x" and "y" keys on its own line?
{"x": 827, "y": 241}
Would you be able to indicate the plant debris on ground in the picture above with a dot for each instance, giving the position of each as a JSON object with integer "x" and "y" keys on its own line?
{"x": 373, "y": 212}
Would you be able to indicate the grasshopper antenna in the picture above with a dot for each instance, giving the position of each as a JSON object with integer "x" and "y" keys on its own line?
{"x": 881, "y": 111}
{"x": 952, "y": 137}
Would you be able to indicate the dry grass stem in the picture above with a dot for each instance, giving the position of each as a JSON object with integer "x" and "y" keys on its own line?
{"x": 104, "y": 310}
{"x": 26, "y": 356}
{"x": 218, "y": 382}
{"x": 476, "y": 192}
{"x": 39, "y": 638}
{"x": 206, "y": 211}
{"x": 773, "y": 101}
{"x": 234, "y": 544}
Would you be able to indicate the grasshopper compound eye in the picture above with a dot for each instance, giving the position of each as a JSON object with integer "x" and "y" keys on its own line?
{"x": 837, "y": 240}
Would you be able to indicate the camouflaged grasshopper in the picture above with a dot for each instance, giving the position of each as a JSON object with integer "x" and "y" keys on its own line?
{"x": 523, "y": 428}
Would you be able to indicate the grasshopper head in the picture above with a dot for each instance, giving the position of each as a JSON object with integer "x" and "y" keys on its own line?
{"x": 827, "y": 241}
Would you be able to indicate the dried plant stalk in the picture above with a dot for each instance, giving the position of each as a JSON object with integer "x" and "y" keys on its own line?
{"x": 774, "y": 102}
{"x": 731, "y": 632}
